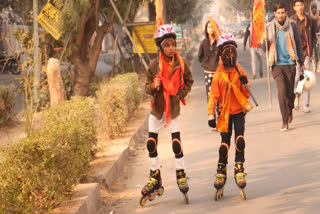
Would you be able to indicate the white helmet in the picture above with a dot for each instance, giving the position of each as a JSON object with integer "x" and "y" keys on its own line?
{"x": 226, "y": 39}
{"x": 163, "y": 32}
{"x": 308, "y": 82}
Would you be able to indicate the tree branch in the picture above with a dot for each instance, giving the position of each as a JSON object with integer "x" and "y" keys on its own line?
{"x": 84, "y": 19}
{"x": 127, "y": 13}
{"x": 96, "y": 48}
{"x": 97, "y": 13}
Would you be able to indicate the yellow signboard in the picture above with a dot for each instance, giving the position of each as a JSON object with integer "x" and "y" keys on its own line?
{"x": 49, "y": 19}
{"x": 146, "y": 35}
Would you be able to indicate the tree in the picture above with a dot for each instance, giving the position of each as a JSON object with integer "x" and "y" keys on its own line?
{"x": 179, "y": 11}
{"x": 80, "y": 20}
{"x": 197, "y": 13}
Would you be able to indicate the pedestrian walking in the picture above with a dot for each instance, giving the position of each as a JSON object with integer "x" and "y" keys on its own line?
{"x": 284, "y": 53}
{"x": 169, "y": 80}
{"x": 307, "y": 32}
{"x": 314, "y": 16}
{"x": 207, "y": 55}
{"x": 227, "y": 89}
{"x": 256, "y": 51}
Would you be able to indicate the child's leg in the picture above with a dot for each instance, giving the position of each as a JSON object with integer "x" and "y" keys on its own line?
{"x": 239, "y": 174}
{"x": 155, "y": 181}
{"x": 239, "y": 123}
{"x": 155, "y": 126}
{"x": 174, "y": 127}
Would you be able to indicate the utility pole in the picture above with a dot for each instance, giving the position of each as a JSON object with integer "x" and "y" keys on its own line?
{"x": 164, "y": 12}
{"x": 36, "y": 56}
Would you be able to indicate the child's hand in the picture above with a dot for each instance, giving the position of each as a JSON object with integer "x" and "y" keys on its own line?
{"x": 212, "y": 121}
{"x": 157, "y": 82}
{"x": 243, "y": 79}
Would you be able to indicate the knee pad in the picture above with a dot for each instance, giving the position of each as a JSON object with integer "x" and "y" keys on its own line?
{"x": 240, "y": 143}
{"x": 152, "y": 145}
{"x": 224, "y": 149}
{"x": 176, "y": 147}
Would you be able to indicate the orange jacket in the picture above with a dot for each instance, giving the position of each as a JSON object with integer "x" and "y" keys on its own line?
{"x": 219, "y": 89}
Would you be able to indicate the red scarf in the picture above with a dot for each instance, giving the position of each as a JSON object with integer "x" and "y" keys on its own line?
{"x": 171, "y": 81}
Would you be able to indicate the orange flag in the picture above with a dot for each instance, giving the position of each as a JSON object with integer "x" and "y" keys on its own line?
{"x": 258, "y": 19}
{"x": 216, "y": 29}
{"x": 159, "y": 9}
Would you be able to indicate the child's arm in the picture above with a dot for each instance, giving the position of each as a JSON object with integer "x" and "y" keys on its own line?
{"x": 188, "y": 81}
{"x": 244, "y": 91}
{"x": 149, "y": 88}
{"x": 214, "y": 94}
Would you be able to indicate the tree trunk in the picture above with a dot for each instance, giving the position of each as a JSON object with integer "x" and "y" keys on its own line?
{"x": 56, "y": 87}
{"x": 86, "y": 57}
{"x": 82, "y": 76}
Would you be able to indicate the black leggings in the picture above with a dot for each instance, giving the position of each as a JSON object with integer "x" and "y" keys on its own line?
{"x": 238, "y": 121}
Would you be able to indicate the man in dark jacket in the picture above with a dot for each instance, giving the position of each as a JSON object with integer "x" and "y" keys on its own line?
{"x": 284, "y": 52}
{"x": 307, "y": 31}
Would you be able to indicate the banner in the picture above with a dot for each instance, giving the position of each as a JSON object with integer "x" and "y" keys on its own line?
{"x": 216, "y": 29}
{"x": 49, "y": 18}
{"x": 258, "y": 23}
{"x": 159, "y": 11}
{"x": 146, "y": 34}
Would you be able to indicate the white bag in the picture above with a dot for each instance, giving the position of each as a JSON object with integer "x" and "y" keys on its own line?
{"x": 308, "y": 82}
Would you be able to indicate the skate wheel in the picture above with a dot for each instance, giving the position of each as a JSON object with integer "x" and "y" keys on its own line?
{"x": 152, "y": 197}
{"x": 219, "y": 194}
{"x": 186, "y": 198}
{"x": 243, "y": 194}
{"x": 160, "y": 191}
{"x": 143, "y": 201}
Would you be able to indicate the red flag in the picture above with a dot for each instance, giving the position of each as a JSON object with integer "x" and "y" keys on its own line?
{"x": 159, "y": 9}
{"x": 216, "y": 29}
{"x": 258, "y": 23}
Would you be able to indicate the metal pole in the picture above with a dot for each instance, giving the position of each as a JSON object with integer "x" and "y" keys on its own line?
{"x": 36, "y": 55}
{"x": 246, "y": 86}
{"x": 267, "y": 58}
{"x": 125, "y": 30}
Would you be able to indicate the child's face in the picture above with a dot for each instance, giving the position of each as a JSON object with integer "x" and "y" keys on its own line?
{"x": 229, "y": 59}
{"x": 169, "y": 48}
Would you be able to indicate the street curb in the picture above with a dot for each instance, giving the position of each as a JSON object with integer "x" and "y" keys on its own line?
{"x": 86, "y": 199}
{"x": 108, "y": 175}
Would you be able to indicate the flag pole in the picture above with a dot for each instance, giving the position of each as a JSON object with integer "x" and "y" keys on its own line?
{"x": 267, "y": 58}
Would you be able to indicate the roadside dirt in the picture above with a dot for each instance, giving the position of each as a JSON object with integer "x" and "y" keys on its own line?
{"x": 11, "y": 133}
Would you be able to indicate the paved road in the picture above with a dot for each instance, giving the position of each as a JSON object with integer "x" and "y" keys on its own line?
{"x": 283, "y": 167}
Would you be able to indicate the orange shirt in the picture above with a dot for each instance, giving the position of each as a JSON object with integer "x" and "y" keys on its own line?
{"x": 219, "y": 89}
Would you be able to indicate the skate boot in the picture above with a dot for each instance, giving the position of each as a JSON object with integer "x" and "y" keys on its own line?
{"x": 183, "y": 184}
{"x": 239, "y": 177}
{"x": 221, "y": 178}
{"x": 152, "y": 188}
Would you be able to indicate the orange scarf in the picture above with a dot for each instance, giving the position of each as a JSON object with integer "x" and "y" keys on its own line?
{"x": 171, "y": 81}
{"x": 223, "y": 121}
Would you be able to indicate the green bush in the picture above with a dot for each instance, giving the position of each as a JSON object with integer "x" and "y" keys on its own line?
{"x": 117, "y": 100}
{"x": 38, "y": 170}
{"x": 7, "y": 102}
